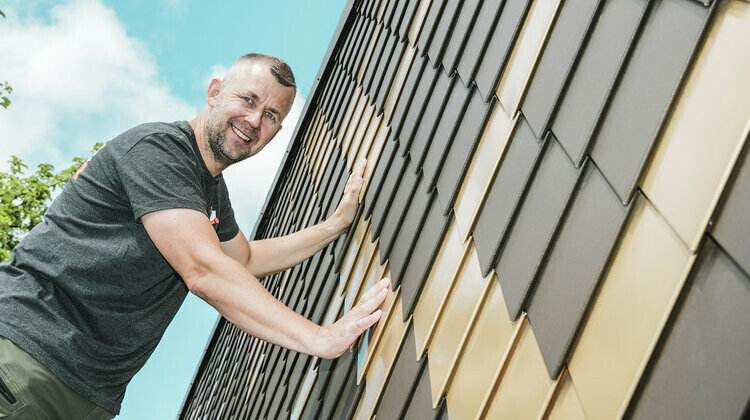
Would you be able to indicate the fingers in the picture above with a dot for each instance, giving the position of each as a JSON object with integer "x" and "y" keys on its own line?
{"x": 356, "y": 178}
{"x": 368, "y": 321}
{"x": 359, "y": 168}
{"x": 377, "y": 287}
{"x": 369, "y": 306}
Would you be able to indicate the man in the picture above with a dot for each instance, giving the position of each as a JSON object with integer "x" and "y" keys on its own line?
{"x": 87, "y": 295}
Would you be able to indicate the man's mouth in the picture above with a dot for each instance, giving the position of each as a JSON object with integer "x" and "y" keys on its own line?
{"x": 240, "y": 134}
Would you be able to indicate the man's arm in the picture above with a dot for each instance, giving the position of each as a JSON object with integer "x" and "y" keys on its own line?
{"x": 186, "y": 240}
{"x": 268, "y": 256}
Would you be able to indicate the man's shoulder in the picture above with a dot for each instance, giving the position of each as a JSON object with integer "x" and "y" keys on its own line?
{"x": 179, "y": 130}
{"x": 164, "y": 133}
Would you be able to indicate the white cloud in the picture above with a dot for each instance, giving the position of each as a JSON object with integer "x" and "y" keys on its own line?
{"x": 218, "y": 71}
{"x": 78, "y": 78}
{"x": 250, "y": 180}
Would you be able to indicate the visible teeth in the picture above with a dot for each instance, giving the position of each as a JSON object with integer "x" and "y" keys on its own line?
{"x": 239, "y": 133}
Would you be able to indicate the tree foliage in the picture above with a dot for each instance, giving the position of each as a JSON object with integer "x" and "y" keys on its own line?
{"x": 5, "y": 88}
{"x": 25, "y": 198}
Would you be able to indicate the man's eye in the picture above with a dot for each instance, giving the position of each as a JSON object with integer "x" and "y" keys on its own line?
{"x": 248, "y": 100}
{"x": 271, "y": 116}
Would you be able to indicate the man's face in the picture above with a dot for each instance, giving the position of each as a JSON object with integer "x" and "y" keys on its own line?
{"x": 246, "y": 112}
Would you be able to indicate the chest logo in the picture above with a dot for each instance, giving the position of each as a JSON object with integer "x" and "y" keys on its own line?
{"x": 214, "y": 220}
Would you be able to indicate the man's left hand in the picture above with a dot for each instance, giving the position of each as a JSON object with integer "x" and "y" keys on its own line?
{"x": 347, "y": 209}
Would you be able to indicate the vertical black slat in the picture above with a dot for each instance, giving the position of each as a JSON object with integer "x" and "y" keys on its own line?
{"x": 343, "y": 103}
{"x": 378, "y": 176}
{"x": 337, "y": 97}
{"x": 576, "y": 260}
{"x": 459, "y": 155}
{"x": 504, "y": 193}
{"x": 387, "y": 192}
{"x": 443, "y": 31}
{"x": 351, "y": 394}
{"x": 408, "y": 233}
{"x": 398, "y": 17}
{"x": 319, "y": 282}
{"x": 344, "y": 365}
{"x": 325, "y": 101}
{"x": 372, "y": 8}
{"x": 390, "y": 10}
{"x": 410, "y": 104}
{"x": 338, "y": 91}
{"x": 301, "y": 199}
{"x": 400, "y": 205}
{"x": 349, "y": 59}
{"x": 401, "y": 107}
{"x": 316, "y": 278}
{"x": 275, "y": 390}
{"x": 558, "y": 59}
{"x": 278, "y": 402}
{"x": 338, "y": 191}
{"x": 386, "y": 83}
{"x": 418, "y": 267}
{"x": 314, "y": 402}
{"x": 433, "y": 104}
{"x": 326, "y": 180}
{"x": 330, "y": 186}
{"x": 363, "y": 45}
{"x": 591, "y": 83}
{"x": 398, "y": 387}
{"x": 445, "y": 129}
{"x": 463, "y": 27}
{"x": 320, "y": 306}
{"x": 646, "y": 89}
{"x": 297, "y": 370}
{"x": 701, "y": 368}
{"x": 406, "y": 21}
{"x": 478, "y": 38}
{"x": 420, "y": 405}
{"x": 430, "y": 24}
{"x": 384, "y": 71}
{"x": 500, "y": 45}
{"x": 346, "y": 47}
{"x": 375, "y": 67}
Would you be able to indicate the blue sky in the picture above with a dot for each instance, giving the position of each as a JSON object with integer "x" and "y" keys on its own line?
{"x": 85, "y": 70}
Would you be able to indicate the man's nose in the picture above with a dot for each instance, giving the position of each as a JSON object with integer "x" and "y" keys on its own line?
{"x": 253, "y": 118}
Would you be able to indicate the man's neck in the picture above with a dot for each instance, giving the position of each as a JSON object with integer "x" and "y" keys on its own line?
{"x": 198, "y": 124}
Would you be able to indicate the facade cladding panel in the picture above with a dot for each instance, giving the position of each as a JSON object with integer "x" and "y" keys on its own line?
{"x": 558, "y": 190}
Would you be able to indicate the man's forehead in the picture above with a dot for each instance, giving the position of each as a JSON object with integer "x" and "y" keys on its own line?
{"x": 255, "y": 77}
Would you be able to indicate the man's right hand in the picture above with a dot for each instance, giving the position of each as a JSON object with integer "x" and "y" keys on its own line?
{"x": 335, "y": 339}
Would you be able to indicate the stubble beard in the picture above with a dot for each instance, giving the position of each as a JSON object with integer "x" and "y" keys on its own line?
{"x": 217, "y": 139}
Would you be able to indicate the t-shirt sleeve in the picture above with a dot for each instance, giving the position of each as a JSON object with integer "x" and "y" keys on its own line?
{"x": 228, "y": 227}
{"x": 157, "y": 173}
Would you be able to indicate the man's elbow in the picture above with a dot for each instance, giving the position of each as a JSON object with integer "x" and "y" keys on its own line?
{"x": 196, "y": 279}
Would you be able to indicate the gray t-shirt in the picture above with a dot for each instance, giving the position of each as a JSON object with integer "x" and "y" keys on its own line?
{"x": 86, "y": 292}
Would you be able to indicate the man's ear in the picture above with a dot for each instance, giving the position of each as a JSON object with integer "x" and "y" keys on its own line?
{"x": 214, "y": 88}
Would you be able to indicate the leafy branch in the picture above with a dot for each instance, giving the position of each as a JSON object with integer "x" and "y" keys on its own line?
{"x": 5, "y": 88}
{"x": 25, "y": 198}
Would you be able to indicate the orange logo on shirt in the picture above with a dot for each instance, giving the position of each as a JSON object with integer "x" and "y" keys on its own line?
{"x": 214, "y": 220}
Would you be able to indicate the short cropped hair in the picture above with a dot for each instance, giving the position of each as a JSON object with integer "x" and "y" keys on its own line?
{"x": 279, "y": 69}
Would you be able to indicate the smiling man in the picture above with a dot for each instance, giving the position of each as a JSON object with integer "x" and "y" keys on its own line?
{"x": 86, "y": 296}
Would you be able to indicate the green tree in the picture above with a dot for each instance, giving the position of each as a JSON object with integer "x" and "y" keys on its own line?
{"x": 5, "y": 88}
{"x": 25, "y": 198}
